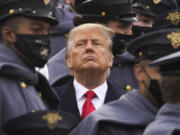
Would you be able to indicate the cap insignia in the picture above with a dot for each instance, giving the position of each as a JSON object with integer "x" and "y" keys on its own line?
{"x": 103, "y": 13}
{"x": 140, "y": 54}
{"x": 156, "y": 1}
{"x": 46, "y": 2}
{"x": 174, "y": 18}
{"x": 174, "y": 37}
{"x": 52, "y": 119}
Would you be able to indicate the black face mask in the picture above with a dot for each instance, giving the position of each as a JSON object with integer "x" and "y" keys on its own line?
{"x": 154, "y": 89}
{"x": 140, "y": 31}
{"x": 119, "y": 43}
{"x": 35, "y": 48}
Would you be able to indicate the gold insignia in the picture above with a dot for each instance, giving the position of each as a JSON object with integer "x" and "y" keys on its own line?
{"x": 174, "y": 18}
{"x": 140, "y": 54}
{"x": 33, "y": 111}
{"x": 103, "y": 13}
{"x": 46, "y": 2}
{"x": 175, "y": 39}
{"x": 128, "y": 87}
{"x": 156, "y": 1}
{"x": 131, "y": 1}
{"x": 40, "y": 94}
{"x": 11, "y": 11}
{"x": 23, "y": 85}
{"x": 52, "y": 119}
{"x": 44, "y": 52}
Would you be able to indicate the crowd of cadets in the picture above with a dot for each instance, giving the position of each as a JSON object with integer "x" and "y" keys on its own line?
{"x": 110, "y": 67}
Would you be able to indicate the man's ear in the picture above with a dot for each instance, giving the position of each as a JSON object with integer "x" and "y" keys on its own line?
{"x": 9, "y": 36}
{"x": 138, "y": 71}
{"x": 110, "y": 62}
{"x": 68, "y": 61}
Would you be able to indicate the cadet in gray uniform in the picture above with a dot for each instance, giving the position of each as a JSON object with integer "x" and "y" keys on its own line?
{"x": 147, "y": 11}
{"x": 136, "y": 109}
{"x": 167, "y": 121}
{"x": 65, "y": 16}
{"x": 25, "y": 29}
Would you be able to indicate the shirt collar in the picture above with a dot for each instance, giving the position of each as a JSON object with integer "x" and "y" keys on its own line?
{"x": 81, "y": 90}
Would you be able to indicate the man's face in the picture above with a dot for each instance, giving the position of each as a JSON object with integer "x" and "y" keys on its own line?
{"x": 120, "y": 27}
{"x": 89, "y": 51}
{"x": 33, "y": 26}
{"x": 144, "y": 21}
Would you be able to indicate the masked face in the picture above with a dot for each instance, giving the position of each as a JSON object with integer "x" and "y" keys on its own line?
{"x": 154, "y": 88}
{"x": 35, "y": 48}
{"x": 119, "y": 43}
{"x": 29, "y": 38}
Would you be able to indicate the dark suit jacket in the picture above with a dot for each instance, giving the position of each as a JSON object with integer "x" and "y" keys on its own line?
{"x": 67, "y": 95}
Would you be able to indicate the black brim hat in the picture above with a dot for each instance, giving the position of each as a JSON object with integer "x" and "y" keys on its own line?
{"x": 155, "y": 44}
{"x": 153, "y": 7}
{"x": 169, "y": 64}
{"x": 118, "y": 9}
{"x": 31, "y": 8}
{"x": 41, "y": 123}
{"x": 169, "y": 19}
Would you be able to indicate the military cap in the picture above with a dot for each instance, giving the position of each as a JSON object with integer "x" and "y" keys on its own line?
{"x": 41, "y": 123}
{"x": 169, "y": 19}
{"x": 153, "y": 7}
{"x": 169, "y": 64}
{"x": 118, "y": 9}
{"x": 30, "y": 8}
{"x": 155, "y": 44}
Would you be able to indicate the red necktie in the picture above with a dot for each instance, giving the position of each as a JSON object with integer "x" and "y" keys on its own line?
{"x": 88, "y": 107}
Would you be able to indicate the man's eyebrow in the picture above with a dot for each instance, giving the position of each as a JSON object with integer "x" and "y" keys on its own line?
{"x": 94, "y": 39}
{"x": 36, "y": 23}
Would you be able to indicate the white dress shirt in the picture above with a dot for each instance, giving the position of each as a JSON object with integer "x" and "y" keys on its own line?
{"x": 98, "y": 101}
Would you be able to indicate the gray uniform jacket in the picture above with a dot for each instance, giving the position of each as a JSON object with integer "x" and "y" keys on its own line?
{"x": 167, "y": 121}
{"x": 17, "y": 87}
{"x": 127, "y": 116}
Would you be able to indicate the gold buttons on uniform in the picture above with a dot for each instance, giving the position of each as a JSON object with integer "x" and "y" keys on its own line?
{"x": 140, "y": 54}
{"x": 103, "y": 13}
{"x": 11, "y": 11}
{"x": 119, "y": 65}
{"x": 40, "y": 94}
{"x": 33, "y": 111}
{"x": 128, "y": 87}
{"x": 23, "y": 85}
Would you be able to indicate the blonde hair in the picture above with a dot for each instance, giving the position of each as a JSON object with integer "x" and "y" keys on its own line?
{"x": 105, "y": 31}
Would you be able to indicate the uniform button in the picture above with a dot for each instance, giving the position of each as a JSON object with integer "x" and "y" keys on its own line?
{"x": 23, "y": 85}
{"x": 103, "y": 13}
{"x": 128, "y": 87}
{"x": 11, "y": 11}
{"x": 40, "y": 94}
{"x": 33, "y": 111}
